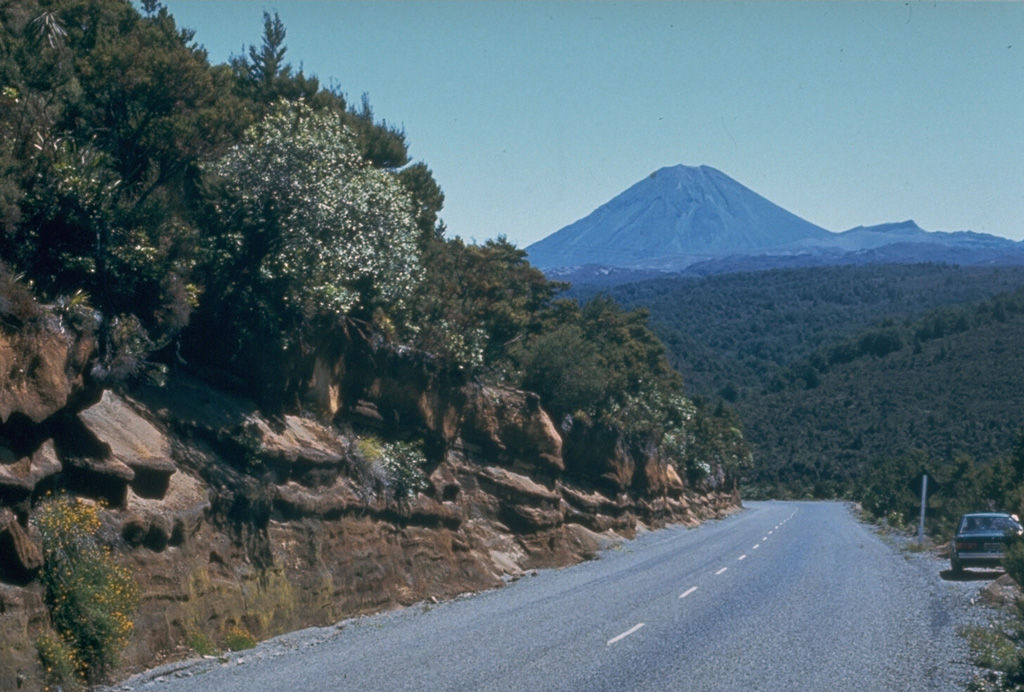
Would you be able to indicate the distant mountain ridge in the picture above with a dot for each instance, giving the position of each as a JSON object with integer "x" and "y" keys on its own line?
{"x": 697, "y": 220}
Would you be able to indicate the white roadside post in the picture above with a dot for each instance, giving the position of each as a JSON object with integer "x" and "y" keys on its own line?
{"x": 924, "y": 498}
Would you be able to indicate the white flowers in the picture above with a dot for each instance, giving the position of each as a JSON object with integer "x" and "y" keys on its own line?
{"x": 339, "y": 232}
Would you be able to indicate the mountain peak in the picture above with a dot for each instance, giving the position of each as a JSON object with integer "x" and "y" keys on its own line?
{"x": 699, "y": 220}
{"x": 908, "y": 226}
{"x": 675, "y": 216}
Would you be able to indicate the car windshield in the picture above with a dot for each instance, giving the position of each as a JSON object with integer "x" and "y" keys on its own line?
{"x": 981, "y": 524}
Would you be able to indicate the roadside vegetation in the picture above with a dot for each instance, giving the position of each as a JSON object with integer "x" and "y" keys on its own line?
{"x": 90, "y": 598}
{"x": 240, "y": 216}
{"x": 998, "y": 648}
{"x": 234, "y": 219}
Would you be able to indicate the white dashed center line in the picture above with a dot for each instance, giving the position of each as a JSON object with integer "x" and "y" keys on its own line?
{"x": 720, "y": 571}
{"x": 742, "y": 557}
{"x": 757, "y": 546}
{"x": 625, "y": 634}
{"x": 688, "y": 592}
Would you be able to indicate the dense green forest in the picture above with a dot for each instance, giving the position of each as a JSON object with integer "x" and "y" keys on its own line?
{"x": 241, "y": 216}
{"x": 842, "y": 374}
{"x": 733, "y": 332}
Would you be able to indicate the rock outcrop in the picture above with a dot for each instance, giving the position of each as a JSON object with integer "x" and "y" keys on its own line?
{"x": 230, "y": 517}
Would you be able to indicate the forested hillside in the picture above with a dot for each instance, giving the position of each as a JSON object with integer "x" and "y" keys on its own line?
{"x": 836, "y": 372}
{"x": 242, "y": 217}
{"x": 733, "y": 332}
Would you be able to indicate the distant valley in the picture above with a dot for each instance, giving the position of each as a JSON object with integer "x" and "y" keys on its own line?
{"x": 835, "y": 369}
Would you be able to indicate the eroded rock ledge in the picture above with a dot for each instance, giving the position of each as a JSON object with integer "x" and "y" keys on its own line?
{"x": 231, "y": 517}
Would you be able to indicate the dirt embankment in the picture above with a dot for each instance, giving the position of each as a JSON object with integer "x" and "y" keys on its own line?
{"x": 229, "y": 517}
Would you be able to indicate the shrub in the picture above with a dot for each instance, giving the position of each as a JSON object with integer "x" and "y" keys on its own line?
{"x": 389, "y": 469}
{"x": 90, "y": 599}
{"x": 60, "y": 665}
{"x": 200, "y": 642}
{"x": 237, "y": 638}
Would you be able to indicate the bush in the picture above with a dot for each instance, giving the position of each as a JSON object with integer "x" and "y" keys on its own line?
{"x": 90, "y": 599}
{"x": 200, "y": 642}
{"x": 60, "y": 665}
{"x": 389, "y": 469}
{"x": 237, "y": 638}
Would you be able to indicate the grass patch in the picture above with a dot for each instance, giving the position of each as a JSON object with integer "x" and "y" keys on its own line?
{"x": 237, "y": 638}
{"x": 201, "y": 643}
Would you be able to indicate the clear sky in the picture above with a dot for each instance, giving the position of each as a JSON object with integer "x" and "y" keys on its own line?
{"x": 532, "y": 114}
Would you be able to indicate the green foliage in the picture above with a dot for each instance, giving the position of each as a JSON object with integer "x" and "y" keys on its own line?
{"x": 90, "y": 598}
{"x": 391, "y": 470}
{"x": 263, "y": 77}
{"x": 243, "y": 217}
{"x": 1013, "y": 561}
{"x": 237, "y": 638}
{"x": 833, "y": 368}
{"x": 999, "y": 649}
{"x": 17, "y": 304}
{"x": 891, "y": 488}
{"x": 125, "y": 358}
{"x": 428, "y": 199}
{"x": 318, "y": 231}
{"x": 476, "y": 302}
{"x": 566, "y": 370}
{"x": 60, "y": 665}
{"x": 744, "y": 329}
{"x": 715, "y": 440}
{"x": 106, "y": 116}
{"x": 200, "y": 642}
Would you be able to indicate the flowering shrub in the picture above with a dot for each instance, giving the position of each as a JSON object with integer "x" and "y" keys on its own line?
{"x": 60, "y": 665}
{"x": 328, "y": 231}
{"x": 90, "y": 599}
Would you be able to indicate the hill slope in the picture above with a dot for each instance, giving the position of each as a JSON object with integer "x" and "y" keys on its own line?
{"x": 957, "y": 393}
{"x": 829, "y": 368}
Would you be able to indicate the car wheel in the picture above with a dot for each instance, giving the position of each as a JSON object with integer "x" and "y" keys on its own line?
{"x": 955, "y": 565}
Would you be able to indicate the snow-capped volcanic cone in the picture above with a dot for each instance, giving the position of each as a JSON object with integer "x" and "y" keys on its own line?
{"x": 673, "y": 218}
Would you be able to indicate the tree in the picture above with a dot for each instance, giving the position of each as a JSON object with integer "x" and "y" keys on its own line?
{"x": 476, "y": 302}
{"x": 106, "y": 116}
{"x": 565, "y": 369}
{"x": 264, "y": 77}
{"x": 305, "y": 233}
{"x": 427, "y": 197}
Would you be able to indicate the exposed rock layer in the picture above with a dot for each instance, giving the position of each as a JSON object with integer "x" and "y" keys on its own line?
{"x": 228, "y": 517}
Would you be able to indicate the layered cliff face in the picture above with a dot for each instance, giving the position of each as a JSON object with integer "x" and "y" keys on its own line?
{"x": 231, "y": 518}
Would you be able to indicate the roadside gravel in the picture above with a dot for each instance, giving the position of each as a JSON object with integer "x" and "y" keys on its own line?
{"x": 971, "y": 599}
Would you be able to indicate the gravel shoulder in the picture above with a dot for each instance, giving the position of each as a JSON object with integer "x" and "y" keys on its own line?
{"x": 971, "y": 599}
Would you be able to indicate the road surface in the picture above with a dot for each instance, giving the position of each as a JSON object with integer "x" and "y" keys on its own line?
{"x": 784, "y": 596}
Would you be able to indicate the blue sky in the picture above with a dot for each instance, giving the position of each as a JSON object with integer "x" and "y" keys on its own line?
{"x": 532, "y": 114}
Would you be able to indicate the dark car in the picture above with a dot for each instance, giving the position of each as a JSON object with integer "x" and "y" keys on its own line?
{"x": 981, "y": 539}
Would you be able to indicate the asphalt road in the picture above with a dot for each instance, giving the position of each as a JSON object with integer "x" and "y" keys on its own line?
{"x": 783, "y": 596}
